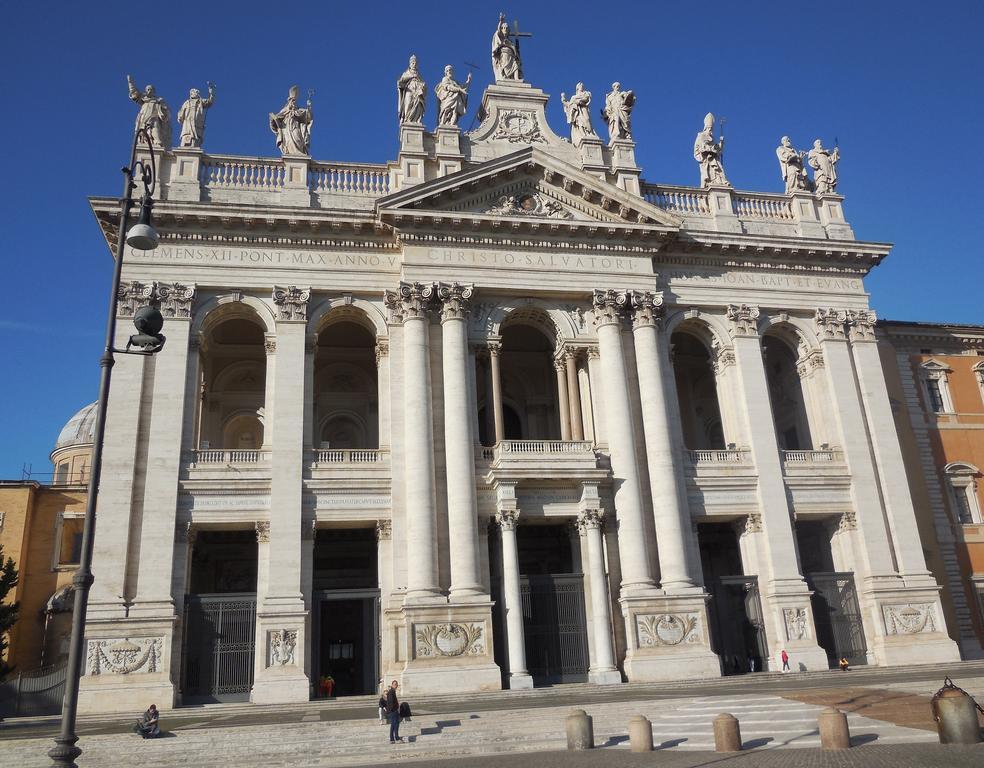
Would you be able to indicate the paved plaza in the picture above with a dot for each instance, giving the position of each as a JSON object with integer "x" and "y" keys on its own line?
{"x": 888, "y": 713}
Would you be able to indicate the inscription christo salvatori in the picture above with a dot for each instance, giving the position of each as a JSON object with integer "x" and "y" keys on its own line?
{"x": 518, "y": 260}
{"x": 263, "y": 257}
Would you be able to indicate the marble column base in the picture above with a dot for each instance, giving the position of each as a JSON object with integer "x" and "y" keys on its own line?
{"x": 448, "y": 648}
{"x": 127, "y": 665}
{"x": 520, "y": 682}
{"x": 279, "y": 676}
{"x": 667, "y": 638}
{"x": 605, "y": 677}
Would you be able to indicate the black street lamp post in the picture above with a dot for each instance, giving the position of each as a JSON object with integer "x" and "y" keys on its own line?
{"x": 147, "y": 342}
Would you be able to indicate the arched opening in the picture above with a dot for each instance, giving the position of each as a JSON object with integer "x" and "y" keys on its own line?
{"x": 233, "y": 385}
{"x": 700, "y": 411}
{"x": 346, "y": 392}
{"x": 529, "y": 384}
{"x": 786, "y": 395}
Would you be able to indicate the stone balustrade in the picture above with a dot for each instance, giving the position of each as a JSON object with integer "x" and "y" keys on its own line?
{"x": 543, "y": 447}
{"x": 349, "y": 179}
{"x": 241, "y": 173}
{"x": 682, "y": 200}
{"x": 222, "y": 456}
{"x": 348, "y": 456}
{"x": 820, "y": 456}
{"x": 726, "y": 456}
{"x": 762, "y": 206}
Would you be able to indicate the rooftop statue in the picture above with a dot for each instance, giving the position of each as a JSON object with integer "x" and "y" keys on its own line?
{"x": 506, "y": 63}
{"x": 824, "y": 165}
{"x": 791, "y": 166}
{"x": 292, "y": 125}
{"x": 411, "y": 94}
{"x": 191, "y": 116}
{"x": 710, "y": 155}
{"x": 618, "y": 112}
{"x": 453, "y": 98}
{"x": 578, "y": 114}
{"x": 154, "y": 115}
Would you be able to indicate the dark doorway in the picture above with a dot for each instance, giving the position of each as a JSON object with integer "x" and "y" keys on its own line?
{"x": 735, "y": 610}
{"x": 834, "y": 601}
{"x": 345, "y": 642}
{"x": 220, "y": 618}
{"x": 552, "y": 593}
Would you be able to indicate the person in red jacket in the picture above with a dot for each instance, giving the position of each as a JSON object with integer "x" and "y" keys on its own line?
{"x": 785, "y": 660}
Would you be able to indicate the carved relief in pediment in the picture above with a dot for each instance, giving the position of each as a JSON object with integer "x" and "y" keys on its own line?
{"x": 529, "y": 204}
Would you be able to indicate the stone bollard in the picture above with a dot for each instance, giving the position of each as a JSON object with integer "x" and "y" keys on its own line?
{"x": 727, "y": 736}
{"x": 580, "y": 732}
{"x": 640, "y": 734}
{"x": 956, "y": 716}
{"x": 834, "y": 733}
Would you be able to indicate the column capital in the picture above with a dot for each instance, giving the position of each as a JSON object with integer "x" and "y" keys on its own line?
{"x": 262, "y": 531}
{"x": 861, "y": 324}
{"x": 722, "y": 358}
{"x": 830, "y": 323}
{"x": 507, "y": 519}
{"x": 309, "y": 532}
{"x": 810, "y": 362}
{"x": 270, "y": 344}
{"x": 558, "y": 363}
{"x": 382, "y": 350}
{"x": 291, "y": 302}
{"x": 384, "y": 530}
{"x": 591, "y": 519}
{"x": 455, "y": 300}
{"x": 494, "y": 346}
{"x": 647, "y": 308}
{"x": 608, "y": 305}
{"x": 409, "y": 301}
{"x": 592, "y": 352}
{"x": 744, "y": 319}
{"x": 174, "y": 300}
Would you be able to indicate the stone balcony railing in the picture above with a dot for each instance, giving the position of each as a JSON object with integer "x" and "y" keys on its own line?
{"x": 220, "y": 457}
{"x": 819, "y": 456}
{"x": 719, "y": 456}
{"x": 330, "y": 456}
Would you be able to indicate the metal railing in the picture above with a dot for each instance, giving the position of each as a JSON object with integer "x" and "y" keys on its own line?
{"x": 33, "y": 693}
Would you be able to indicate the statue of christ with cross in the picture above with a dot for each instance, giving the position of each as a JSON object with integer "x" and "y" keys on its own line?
{"x": 506, "y": 63}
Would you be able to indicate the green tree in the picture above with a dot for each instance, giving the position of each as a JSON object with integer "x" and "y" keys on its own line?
{"x": 8, "y": 612}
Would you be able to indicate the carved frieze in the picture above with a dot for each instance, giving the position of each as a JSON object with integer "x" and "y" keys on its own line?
{"x": 744, "y": 319}
{"x": 909, "y": 618}
{"x": 455, "y": 300}
{"x": 796, "y": 622}
{"x": 667, "y": 629}
{"x": 123, "y": 656}
{"x": 529, "y": 204}
{"x": 291, "y": 302}
{"x": 518, "y": 126}
{"x": 449, "y": 640}
{"x": 830, "y": 323}
{"x": 282, "y": 645}
{"x": 410, "y": 300}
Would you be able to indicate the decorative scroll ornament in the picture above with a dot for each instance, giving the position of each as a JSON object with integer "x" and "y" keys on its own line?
{"x": 744, "y": 319}
{"x": 292, "y": 302}
{"x": 518, "y": 126}
{"x": 647, "y": 308}
{"x": 797, "y": 624}
{"x": 909, "y": 619}
{"x": 451, "y": 639}
{"x": 529, "y": 204}
{"x": 409, "y": 301}
{"x": 123, "y": 656}
{"x": 454, "y": 298}
{"x": 861, "y": 323}
{"x": 173, "y": 299}
{"x": 283, "y": 642}
{"x": 667, "y": 629}
{"x": 830, "y": 323}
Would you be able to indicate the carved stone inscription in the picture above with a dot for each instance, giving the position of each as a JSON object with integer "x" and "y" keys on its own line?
{"x": 765, "y": 280}
{"x": 263, "y": 257}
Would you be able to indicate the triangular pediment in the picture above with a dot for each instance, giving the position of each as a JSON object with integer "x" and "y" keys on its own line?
{"x": 526, "y": 186}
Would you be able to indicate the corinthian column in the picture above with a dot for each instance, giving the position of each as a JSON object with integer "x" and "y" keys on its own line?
{"x": 563, "y": 401}
{"x": 411, "y": 304}
{"x": 603, "y": 664}
{"x": 669, "y": 503}
{"x": 512, "y": 600}
{"x": 459, "y": 442}
{"x": 636, "y": 575}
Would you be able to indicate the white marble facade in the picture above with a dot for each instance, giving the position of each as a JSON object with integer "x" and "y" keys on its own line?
{"x": 435, "y": 256}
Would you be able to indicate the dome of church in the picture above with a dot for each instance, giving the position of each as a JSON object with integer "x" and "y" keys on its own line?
{"x": 79, "y": 430}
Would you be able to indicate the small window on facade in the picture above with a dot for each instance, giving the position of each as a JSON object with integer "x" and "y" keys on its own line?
{"x": 962, "y": 479}
{"x": 964, "y": 510}
{"x": 61, "y": 473}
{"x": 935, "y": 395}
{"x": 70, "y": 541}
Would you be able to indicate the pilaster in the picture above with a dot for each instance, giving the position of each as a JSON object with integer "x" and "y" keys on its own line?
{"x": 719, "y": 200}
{"x": 804, "y": 207}
{"x": 296, "y": 190}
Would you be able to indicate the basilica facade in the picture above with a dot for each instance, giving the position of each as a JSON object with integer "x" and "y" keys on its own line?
{"x": 500, "y": 412}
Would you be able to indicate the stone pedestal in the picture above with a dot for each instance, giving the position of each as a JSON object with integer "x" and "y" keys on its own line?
{"x": 593, "y": 156}
{"x": 831, "y": 208}
{"x": 720, "y": 202}
{"x": 296, "y": 190}
{"x": 413, "y": 157}
{"x": 804, "y": 208}
{"x": 623, "y": 165}
{"x": 447, "y": 150}
{"x": 183, "y": 180}
{"x": 279, "y": 663}
{"x": 667, "y": 638}
{"x": 448, "y": 648}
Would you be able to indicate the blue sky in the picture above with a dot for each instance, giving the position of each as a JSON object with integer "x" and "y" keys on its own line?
{"x": 899, "y": 83}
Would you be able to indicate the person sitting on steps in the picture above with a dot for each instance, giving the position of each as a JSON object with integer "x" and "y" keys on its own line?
{"x": 148, "y": 725}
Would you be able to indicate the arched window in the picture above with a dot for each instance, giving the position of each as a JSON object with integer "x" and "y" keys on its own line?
{"x": 700, "y": 412}
{"x": 346, "y": 389}
{"x": 786, "y": 395}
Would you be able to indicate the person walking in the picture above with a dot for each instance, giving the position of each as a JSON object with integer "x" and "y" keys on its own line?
{"x": 785, "y": 660}
{"x": 393, "y": 712}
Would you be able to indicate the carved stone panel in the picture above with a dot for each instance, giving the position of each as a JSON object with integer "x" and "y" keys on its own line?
{"x": 519, "y": 126}
{"x": 909, "y": 618}
{"x": 282, "y": 643}
{"x": 123, "y": 656}
{"x": 449, "y": 640}
{"x": 667, "y": 629}
{"x": 797, "y": 623}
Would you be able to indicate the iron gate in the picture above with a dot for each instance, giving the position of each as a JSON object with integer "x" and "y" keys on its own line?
{"x": 838, "y": 617}
{"x": 219, "y": 645}
{"x": 555, "y": 627}
{"x": 739, "y": 628}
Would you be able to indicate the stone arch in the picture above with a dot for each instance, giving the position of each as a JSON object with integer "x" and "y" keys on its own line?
{"x": 342, "y": 308}
{"x": 797, "y": 332}
{"x": 227, "y": 375}
{"x": 557, "y": 324}
{"x": 361, "y": 434}
{"x": 233, "y": 305}
{"x": 710, "y": 329}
